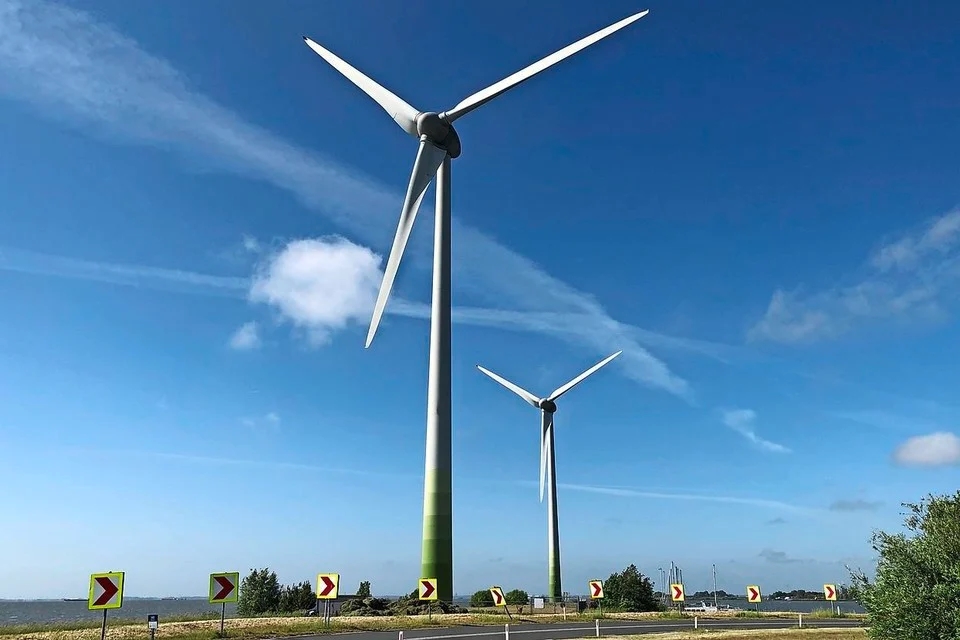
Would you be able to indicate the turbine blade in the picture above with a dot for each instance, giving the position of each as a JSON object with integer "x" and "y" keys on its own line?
{"x": 546, "y": 421}
{"x": 520, "y": 391}
{"x": 402, "y": 113}
{"x": 486, "y": 95}
{"x": 580, "y": 378}
{"x": 428, "y": 160}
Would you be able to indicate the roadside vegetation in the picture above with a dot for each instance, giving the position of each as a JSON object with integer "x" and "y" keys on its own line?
{"x": 916, "y": 591}
{"x": 259, "y": 628}
{"x": 915, "y": 594}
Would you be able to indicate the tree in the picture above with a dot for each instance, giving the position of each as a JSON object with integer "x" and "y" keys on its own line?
{"x": 916, "y": 592}
{"x": 363, "y": 591}
{"x": 517, "y": 596}
{"x": 629, "y": 590}
{"x": 259, "y": 593}
{"x": 482, "y": 598}
{"x": 298, "y": 597}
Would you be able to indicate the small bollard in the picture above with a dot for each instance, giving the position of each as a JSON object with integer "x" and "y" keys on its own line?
{"x": 401, "y": 635}
{"x": 598, "y": 627}
{"x": 695, "y": 622}
{"x": 506, "y": 631}
{"x": 801, "y": 621}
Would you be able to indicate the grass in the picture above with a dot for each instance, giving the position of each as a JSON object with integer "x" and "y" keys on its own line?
{"x": 826, "y": 613}
{"x": 206, "y": 626}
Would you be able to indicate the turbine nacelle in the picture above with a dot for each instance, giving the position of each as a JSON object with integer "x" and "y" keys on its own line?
{"x": 439, "y": 132}
{"x": 548, "y": 405}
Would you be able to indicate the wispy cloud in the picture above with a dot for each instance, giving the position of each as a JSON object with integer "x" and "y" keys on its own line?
{"x": 933, "y": 450}
{"x": 742, "y": 421}
{"x": 251, "y": 244}
{"x": 194, "y": 283}
{"x": 174, "y": 280}
{"x": 907, "y": 277}
{"x": 778, "y": 557}
{"x": 880, "y": 419}
{"x": 76, "y": 69}
{"x": 202, "y": 460}
{"x": 777, "y": 521}
{"x": 246, "y": 337}
{"x": 269, "y": 421}
{"x": 654, "y": 495}
{"x": 848, "y": 506}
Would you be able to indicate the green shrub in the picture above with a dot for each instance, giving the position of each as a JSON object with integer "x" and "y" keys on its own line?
{"x": 916, "y": 592}
{"x": 482, "y": 598}
{"x": 259, "y": 593}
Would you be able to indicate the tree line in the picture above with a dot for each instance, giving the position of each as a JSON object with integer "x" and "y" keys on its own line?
{"x": 261, "y": 594}
{"x": 915, "y": 592}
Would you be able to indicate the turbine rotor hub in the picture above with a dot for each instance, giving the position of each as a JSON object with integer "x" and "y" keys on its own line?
{"x": 548, "y": 405}
{"x": 439, "y": 132}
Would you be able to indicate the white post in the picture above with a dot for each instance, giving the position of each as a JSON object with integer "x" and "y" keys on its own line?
{"x": 598, "y": 627}
{"x": 695, "y": 622}
{"x": 801, "y": 621}
{"x": 401, "y": 635}
{"x": 506, "y": 631}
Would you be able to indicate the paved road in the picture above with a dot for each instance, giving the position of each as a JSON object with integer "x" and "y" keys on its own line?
{"x": 570, "y": 630}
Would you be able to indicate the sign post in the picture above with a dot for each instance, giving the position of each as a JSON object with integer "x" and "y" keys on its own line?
{"x": 153, "y": 621}
{"x": 596, "y": 593}
{"x": 223, "y": 589}
{"x": 106, "y": 592}
{"x": 328, "y": 588}
{"x": 830, "y": 594}
{"x": 499, "y": 600}
{"x": 428, "y": 591}
{"x": 676, "y": 593}
{"x": 753, "y": 595}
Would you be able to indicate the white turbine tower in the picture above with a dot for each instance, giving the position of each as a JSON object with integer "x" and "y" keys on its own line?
{"x": 439, "y": 143}
{"x": 548, "y": 406}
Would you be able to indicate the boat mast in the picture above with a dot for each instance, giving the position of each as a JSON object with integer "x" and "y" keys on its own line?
{"x": 715, "y": 587}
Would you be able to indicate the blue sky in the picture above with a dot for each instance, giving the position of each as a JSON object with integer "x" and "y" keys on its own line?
{"x": 757, "y": 204}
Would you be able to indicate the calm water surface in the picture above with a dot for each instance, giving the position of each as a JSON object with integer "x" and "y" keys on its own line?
{"x": 53, "y": 611}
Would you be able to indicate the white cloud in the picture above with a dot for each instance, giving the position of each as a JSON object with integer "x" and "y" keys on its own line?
{"x": 933, "y": 450}
{"x": 320, "y": 285}
{"x": 742, "y": 421}
{"x": 246, "y": 337}
{"x": 908, "y": 277}
{"x": 75, "y": 69}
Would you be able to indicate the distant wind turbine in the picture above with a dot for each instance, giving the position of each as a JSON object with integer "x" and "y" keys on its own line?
{"x": 548, "y": 406}
{"x": 439, "y": 144}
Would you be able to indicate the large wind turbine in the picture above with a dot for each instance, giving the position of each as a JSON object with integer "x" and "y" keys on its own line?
{"x": 439, "y": 143}
{"x": 548, "y": 406}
